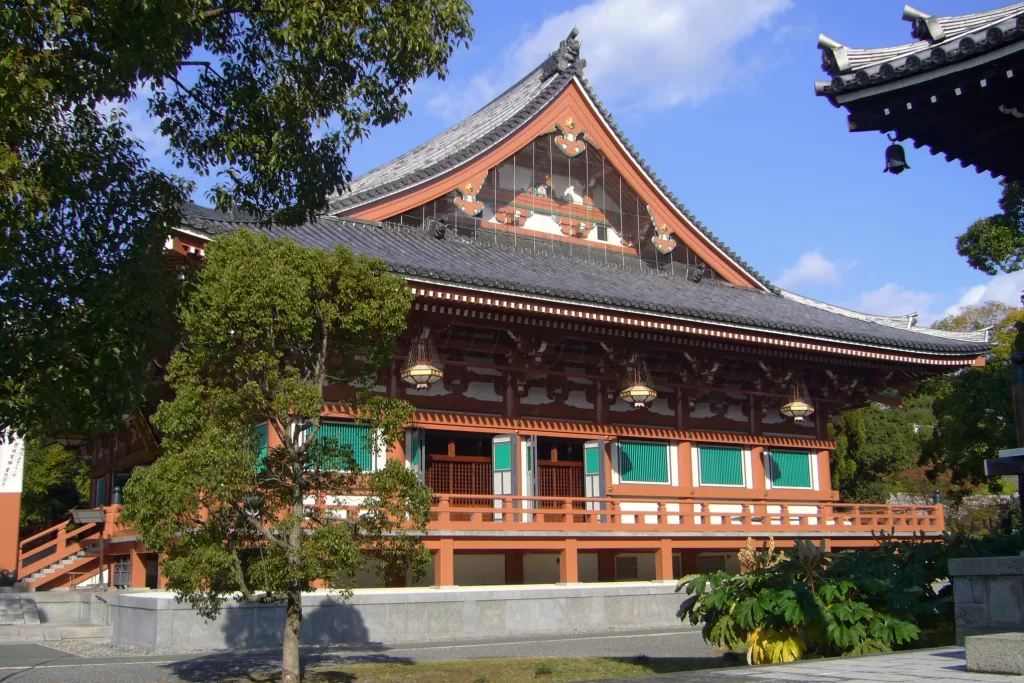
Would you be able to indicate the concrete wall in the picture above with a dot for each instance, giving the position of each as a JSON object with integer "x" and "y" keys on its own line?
{"x": 155, "y": 622}
{"x": 989, "y": 595}
{"x": 57, "y": 607}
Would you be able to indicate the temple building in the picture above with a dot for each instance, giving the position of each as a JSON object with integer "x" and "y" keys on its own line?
{"x": 603, "y": 389}
{"x": 955, "y": 89}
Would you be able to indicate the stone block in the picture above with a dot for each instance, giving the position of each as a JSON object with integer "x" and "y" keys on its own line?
{"x": 1006, "y": 602}
{"x": 1001, "y": 653}
{"x": 971, "y": 615}
{"x": 987, "y": 566}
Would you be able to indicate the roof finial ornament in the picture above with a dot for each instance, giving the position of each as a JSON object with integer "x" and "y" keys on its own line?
{"x": 566, "y": 57}
{"x": 925, "y": 26}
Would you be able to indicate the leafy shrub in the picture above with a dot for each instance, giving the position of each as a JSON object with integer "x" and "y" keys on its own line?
{"x": 810, "y": 603}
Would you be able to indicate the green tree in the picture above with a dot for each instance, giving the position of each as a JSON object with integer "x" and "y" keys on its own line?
{"x": 56, "y": 480}
{"x": 268, "y": 94}
{"x": 996, "y": 243}
{"x": 266, "y": 325}
{"x": 974, "y": 407}
{"x": 1001, "y": 318}
{"x": 873, "y": 445}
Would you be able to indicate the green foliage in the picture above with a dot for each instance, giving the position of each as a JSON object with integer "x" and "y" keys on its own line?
{"x": 996, "y": 243}
{"x": 56, "y": 480}
{"x": 819, "y": 604}
{"x": 267, "y": 324}
{"x": 270, "y": 95}
{"x": 873, "y": 445}
{"x": 974, "y": 410}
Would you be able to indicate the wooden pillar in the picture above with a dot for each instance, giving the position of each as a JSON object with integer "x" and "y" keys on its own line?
{"x": 757, "y": 471}
{"x": 568, "y": 562}
{"x": 161, "y": 579}
{"x": 663, "y": 561}
{"x": 514, "y": 573}
{"x": 682, "y": 409}
{"x": 137, "y": 574}
{"x": 605, "y": 565}
{"x": 600, "y": 412}
{"x": 444, "y": 563}
{"x": 685, "y": 467}
{"x": 511, "y": 397}
{"x": 824, "y": 472}
{"x": 10, "y": 514}
{"x": 821, "y": 419}
{"x": 755, "y": 415}
{"x": 689, "y": 561}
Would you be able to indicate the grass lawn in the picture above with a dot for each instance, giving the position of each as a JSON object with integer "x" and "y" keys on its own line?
{"x": 509, "y": 670}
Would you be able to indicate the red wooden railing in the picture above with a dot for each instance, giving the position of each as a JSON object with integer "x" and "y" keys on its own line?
{"x": 526, "y": 513}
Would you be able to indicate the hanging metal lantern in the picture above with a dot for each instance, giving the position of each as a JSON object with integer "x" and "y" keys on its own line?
{"x": 798, "y": 408}
{"x": 895, "y": 158}
{"x": 422, "y": 367}
{"x": 637, "y": 388}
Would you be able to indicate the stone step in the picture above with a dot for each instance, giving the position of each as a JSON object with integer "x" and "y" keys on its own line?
{"x": 996, "y": 653}
{"x": 57, "y": 631}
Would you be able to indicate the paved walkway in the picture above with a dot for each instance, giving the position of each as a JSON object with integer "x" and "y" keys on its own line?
{"x": 943, "y": 664}
{"x": 32, "y": 663}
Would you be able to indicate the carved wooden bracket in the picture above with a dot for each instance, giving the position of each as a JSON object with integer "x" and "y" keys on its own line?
{"x": 468, "y": 203}
{"x": 569, "y": 140}
{"x": 662, "y": 238}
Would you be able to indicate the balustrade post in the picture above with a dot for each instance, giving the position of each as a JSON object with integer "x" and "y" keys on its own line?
{"x": 567, "y": 509}
{"x": 614, "y": 513}
{"x": 661, "y": 519}
{"x": 443, "y": 515}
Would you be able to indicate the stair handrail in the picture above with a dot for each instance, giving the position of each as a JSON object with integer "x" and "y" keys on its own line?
{"x": 49, "y": 530}
{"x": 62, "y": 549}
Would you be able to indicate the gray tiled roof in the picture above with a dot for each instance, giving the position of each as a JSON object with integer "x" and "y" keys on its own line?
{"x": 486, "y": 128}
{"x": 417, "y": 253}
{"x": 942, "y": 40}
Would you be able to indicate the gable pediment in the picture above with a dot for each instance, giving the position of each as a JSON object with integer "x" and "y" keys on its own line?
{"x": 565, "y": 174}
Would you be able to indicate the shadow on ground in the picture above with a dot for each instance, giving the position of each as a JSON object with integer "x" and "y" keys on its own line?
{"x": 253, "y": 634}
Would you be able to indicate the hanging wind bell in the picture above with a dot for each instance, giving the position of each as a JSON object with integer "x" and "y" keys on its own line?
{"x": 422, "y": 367}
{"x": 637, "y": 389}
{"x": 895, "y": 158}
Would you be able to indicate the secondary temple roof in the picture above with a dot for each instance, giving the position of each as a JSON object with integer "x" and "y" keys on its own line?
{"x": 569, "y": 269}
{"x": 940, "y": 41}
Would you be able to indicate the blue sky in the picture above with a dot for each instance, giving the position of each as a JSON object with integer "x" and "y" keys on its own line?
{"x": 718, "y": 97}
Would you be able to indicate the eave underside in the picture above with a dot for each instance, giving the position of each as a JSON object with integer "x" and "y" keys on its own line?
{"x": 975, "y": 115}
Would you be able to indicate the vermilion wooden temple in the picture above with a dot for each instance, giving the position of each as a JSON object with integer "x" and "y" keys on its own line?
{"x": 558, "y": 282}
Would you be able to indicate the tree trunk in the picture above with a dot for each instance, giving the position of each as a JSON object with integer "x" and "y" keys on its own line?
{"x": 291, "y": 667}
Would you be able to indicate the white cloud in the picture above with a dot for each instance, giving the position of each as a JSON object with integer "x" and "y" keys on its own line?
{"x": 1005, "y": 287}
{"x": 649, "y": 53}
{"x": 811, "y": 268}
{"x": 894, "y": 299}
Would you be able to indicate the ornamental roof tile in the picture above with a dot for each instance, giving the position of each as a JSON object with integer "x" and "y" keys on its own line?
{"x": 941, "y": 40}
{"x": 495, "y": 122}
{"x": 544, "y": 271}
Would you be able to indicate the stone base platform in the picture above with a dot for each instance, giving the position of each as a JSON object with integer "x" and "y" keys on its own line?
{"x": 155, "y": 622}
{"x": 1000, "y": 653}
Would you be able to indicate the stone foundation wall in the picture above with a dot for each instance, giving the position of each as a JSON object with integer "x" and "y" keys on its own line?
{"x": 989, "y": 595}
{"x": 155, "y": 622}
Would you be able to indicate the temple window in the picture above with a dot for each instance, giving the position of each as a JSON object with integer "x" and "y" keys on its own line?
{"x": 644, "y": 462}
{"x": 789, "y": 469}
{"x": 721, "y": 466}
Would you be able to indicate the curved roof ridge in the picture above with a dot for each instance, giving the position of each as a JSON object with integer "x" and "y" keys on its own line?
{"x": 903, "y": 322}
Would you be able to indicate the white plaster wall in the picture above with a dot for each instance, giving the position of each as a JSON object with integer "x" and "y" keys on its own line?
{"x": 479, "y": 570}
{"x": 540, "y": 568}
{"x": 482, "y": 391}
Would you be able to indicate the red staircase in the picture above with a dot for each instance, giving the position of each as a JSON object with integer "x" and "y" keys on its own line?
{"x": 58, "y": 556}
